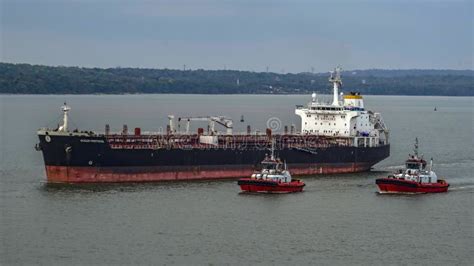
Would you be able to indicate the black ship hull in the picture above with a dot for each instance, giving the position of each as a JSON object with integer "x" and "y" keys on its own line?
{"x": 93, "y": 158}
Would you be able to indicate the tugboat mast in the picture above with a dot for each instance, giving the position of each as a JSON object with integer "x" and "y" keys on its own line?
{"x": 415, "y": 150}
{"x": 273, "y": 150}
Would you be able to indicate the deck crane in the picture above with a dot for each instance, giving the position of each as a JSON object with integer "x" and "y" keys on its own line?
{"x": 212, "y": 120}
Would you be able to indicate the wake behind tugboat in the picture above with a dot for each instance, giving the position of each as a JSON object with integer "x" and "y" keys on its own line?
{"x": 415, "y": 178}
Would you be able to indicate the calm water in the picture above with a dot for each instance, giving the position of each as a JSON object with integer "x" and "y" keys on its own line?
{"x": 337, "y": 220}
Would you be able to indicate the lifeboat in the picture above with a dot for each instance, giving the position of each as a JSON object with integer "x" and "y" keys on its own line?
{"x": 273, "y": 178}
{"x": 414, "y": 178}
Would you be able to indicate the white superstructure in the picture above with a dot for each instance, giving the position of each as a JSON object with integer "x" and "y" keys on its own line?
{"x": 273, "y": 169}
{"x": 65, "y": 108}
{"x": 415, "y": 169}
{"x": 344, "y": 117}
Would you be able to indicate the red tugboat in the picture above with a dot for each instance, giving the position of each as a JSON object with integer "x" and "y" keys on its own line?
{"x": 415, "y": 178}
{"x": 273, "y": 178}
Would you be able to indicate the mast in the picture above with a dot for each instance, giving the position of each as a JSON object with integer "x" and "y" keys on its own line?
{"x": 273, "y": 150}
{"x": 335, "y": 79}
{"x": 171, "y": 124}
{"x": 415, "y": 150}
{"x": 65, "y": 108}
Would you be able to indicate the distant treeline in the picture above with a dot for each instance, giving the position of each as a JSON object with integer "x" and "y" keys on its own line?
{"x": 37, "y": 79}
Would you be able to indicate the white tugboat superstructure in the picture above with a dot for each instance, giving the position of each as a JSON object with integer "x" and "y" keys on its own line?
{"x": 273, "y": 169}
{"x": 273, "y": 178}
{"x": 415, "y": 169}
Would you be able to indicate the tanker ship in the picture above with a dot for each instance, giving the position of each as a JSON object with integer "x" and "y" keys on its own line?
{"x": 335, "y": 137}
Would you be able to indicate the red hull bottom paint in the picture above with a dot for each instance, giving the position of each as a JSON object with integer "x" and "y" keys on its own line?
{"x": 265, "y": 186}
{"x": 79, "y": 174}
{"x": 387, "y": 186}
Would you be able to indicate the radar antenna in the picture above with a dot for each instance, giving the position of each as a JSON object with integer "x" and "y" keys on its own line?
{"x": 336, "y": 76}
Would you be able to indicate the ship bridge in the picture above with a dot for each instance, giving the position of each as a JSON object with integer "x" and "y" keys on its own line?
{"x": 345, "y": 116}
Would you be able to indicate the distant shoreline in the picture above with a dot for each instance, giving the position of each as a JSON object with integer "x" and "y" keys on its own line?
{"x": 229, "y": 94}
{"x": 47, "y": 80}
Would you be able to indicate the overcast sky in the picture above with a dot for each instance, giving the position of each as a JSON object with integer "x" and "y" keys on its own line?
{"x": 285, "y": 36}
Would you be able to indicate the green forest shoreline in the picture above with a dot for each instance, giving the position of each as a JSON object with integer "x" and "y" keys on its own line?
{"x": 53, "y": 80}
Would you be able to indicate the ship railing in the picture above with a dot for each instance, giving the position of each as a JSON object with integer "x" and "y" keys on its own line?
{"x": 368, "y": 141}
{"x": 220, "y": 147}
{"x": 224, "y": 142}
